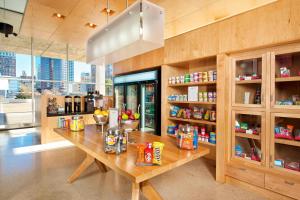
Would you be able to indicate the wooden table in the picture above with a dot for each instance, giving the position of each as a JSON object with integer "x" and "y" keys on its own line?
{"x": 91, "y": 141}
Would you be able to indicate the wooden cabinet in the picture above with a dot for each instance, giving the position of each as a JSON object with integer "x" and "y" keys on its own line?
{"x": 247, "y": 175}
{"x": 249, "y": 79}
{"x": 282, "y": 185}
{"x": 277, "y": 117}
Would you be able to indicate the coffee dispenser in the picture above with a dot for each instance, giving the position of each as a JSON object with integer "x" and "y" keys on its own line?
{"x": 77, "y": 104}
{"x": 68, "y": 104}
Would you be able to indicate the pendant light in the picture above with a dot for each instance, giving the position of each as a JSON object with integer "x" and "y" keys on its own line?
{"x": 136, "y": 30}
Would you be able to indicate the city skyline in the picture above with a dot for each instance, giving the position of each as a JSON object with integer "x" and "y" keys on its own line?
{"x": 23, "y": 63}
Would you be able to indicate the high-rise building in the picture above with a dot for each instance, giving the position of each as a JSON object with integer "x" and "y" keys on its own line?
{"x": 93, "y": 73}
{"x": 71, "y": 71}
{"x": 85, "y": 77}
{"x": 7, "y": 64}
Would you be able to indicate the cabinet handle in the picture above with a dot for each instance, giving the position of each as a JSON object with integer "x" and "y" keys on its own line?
{"x": 289, "y": 183}
{"x": 242, "y": 169}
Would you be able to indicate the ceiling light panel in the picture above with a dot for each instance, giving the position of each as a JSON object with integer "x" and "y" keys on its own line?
{"x": 137, "y": 30}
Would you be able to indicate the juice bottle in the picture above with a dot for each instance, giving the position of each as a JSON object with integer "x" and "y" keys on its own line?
{"x": 148, "y": 153}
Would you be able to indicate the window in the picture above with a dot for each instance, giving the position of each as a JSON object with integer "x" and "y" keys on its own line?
{"x": 19, "y": 82}
{"x": 15, "y": 88}
{"x": 82, "y": 77}
{"x": 108, "y": 80}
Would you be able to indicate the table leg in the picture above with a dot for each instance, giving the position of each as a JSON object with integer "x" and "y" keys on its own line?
{"x": 101, "y": 166}
{"x": 83, "y": 166}
{"x": 149, "y": 192}
{"x": 135, "y": 191}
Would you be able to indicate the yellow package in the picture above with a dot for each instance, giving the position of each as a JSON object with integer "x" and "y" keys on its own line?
{"x": 157, "y": 152}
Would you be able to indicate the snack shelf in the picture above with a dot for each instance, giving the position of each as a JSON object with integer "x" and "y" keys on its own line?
{"x": 244, "y": 135}
{"x": 192, "y": 102}
{"x": 192, "y": 84}
{"x": 288, "y": 79}
{"x": 287, "y": 142}
{"x": 193, "y": 121}
{"x": 200, "y": 142}
{"x": 248, "y": 81}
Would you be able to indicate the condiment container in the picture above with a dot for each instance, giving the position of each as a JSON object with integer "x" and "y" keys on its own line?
{"x": 77, "y": 123}
{"x": 115, "y": 140}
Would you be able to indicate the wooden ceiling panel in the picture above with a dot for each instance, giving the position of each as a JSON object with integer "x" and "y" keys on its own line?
{"x": 60, "y": 6}
{"x": 180, "y": 16}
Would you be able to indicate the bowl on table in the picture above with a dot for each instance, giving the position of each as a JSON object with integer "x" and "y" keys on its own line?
{"x": 130, "y": 124}
{"x": 101, "y": 119}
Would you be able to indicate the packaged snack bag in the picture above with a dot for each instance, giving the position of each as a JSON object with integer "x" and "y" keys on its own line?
{"x": 140, "y": 155}
{"x": 148, "y": 152}
{"x": 157, "y": 152}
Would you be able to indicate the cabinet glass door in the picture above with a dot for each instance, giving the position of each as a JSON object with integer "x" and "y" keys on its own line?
{"x": 285, "y": 142}
{"x": 285, "y": 71}
{"x": 249, "y": 81}
{"x": 132, "y": 97}
{"x": 248, "y": 130}
{"x": 148, "y": 93}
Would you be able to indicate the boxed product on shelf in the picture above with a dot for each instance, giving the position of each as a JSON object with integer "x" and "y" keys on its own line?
{"x": 252, "y": 155}
{"x": 204, "y": 134}
{"x": 284, "y": 133}
{"x": 293, "y": 100}
{"x": 243, "y": 127}
{"x": 208, "y": 76}
{"x": 202, "y": 114}
{"x": 178, "y": 97}
{"x": 252, "y": 76}
{"x": 205, "y": 96}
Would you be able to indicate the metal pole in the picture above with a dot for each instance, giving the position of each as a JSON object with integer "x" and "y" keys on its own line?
{"x": 32, "y": 82}
{"x": 68, "y": 70}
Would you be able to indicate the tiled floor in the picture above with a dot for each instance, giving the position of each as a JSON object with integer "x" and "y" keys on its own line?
{"x": 43, "y": 175}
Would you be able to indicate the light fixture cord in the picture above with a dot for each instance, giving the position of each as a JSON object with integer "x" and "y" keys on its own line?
{"x": 107, "y": 9}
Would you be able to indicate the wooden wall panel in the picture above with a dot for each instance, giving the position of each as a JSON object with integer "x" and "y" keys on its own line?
{"x": 140, "y": 62}
{"x": 198, "y": 43}
{"x": 272, "y": 24}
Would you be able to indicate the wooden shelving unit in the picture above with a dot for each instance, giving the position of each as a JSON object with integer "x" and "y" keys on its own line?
{"x": 275, "y": 91}
{"x": 195, "y": 121}
{"x": 248, "y": 81}
{"x": 190, "y": 67}
{"x": 287, "y": 142}
{"x": 192, "y": 102}
{"x": 192, "y": 84}
{"x": 244, "y": 135}
{"x": 288, "y": 79}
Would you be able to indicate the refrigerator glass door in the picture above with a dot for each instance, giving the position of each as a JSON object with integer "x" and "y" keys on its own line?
{"x": 148, "y": 111}
{"x": 132, "y": 97}
{"x": 119, "y": 96}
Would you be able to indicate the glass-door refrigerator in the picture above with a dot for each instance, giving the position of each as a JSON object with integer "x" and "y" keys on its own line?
{"x": 140, "y": 92}
{"x": 148, "y": 106}
{"x": 119, "y": 94}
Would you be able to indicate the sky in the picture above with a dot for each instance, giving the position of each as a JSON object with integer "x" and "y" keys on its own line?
{"x": 23, "y": 63}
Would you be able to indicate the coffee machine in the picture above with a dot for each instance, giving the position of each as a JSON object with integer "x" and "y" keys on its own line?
{"x": 68, "y": 104}
{"x": 77, "y": 104}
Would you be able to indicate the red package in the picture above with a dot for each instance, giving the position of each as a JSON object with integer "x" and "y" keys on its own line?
{"x": 292, "y": 166}
{"x": 148, "y": 153}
